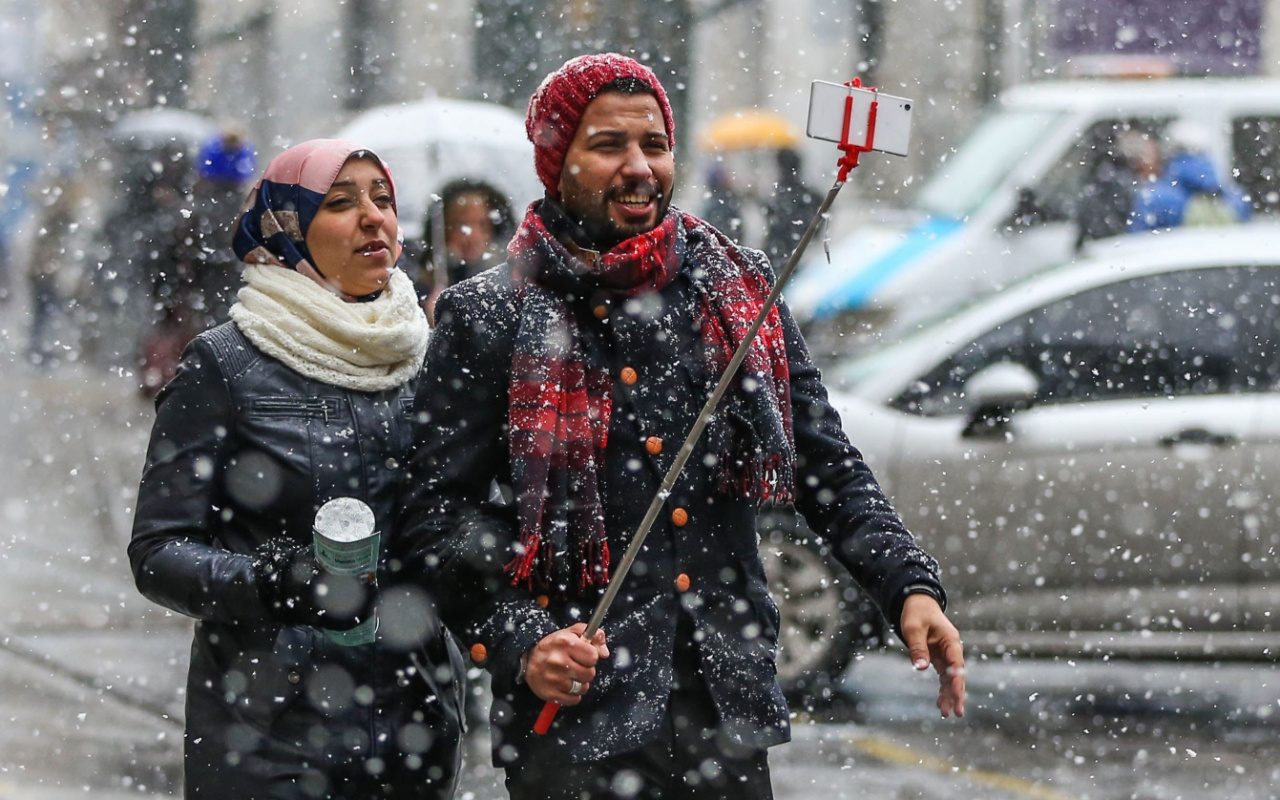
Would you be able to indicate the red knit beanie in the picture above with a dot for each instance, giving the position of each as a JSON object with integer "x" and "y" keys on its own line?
{"x": 559, "y": 102}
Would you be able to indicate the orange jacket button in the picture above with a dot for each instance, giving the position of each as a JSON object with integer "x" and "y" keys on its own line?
{"x": 543, "y": 600}
{"x": 679, "y": 517}
{"x": 601, "y": 311}
{"x": 682, "y": 582}
{"x": 479, "y": 653}
{"x": 629, "y": 376}
{"x": 653, "y": 444}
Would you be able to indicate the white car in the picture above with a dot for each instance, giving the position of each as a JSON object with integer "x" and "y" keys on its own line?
{"x": 1006, "y": 203}
{"x": 1094, "y": 454}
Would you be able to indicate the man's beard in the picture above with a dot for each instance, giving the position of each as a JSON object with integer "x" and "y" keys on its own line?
{"x": 595, "y": 229}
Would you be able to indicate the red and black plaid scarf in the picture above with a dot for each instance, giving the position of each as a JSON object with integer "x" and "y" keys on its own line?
{"x": 561, "y": 391}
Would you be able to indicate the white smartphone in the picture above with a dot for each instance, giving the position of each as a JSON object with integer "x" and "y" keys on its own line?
{"x": 826, "y": 116}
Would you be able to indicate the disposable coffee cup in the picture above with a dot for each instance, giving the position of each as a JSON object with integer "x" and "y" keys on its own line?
{"x": 347, "y": 544}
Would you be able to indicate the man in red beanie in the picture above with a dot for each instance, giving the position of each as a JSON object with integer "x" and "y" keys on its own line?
{"x": 569, "y": 378}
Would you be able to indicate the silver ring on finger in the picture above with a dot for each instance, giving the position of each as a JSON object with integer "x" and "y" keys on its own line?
{"x": 575, "y": 688}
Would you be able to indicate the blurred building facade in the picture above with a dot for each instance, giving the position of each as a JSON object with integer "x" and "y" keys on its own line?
{"x": 291, "y": 69}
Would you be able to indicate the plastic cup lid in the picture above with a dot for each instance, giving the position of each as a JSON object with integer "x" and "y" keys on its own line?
{"x": 344, "y": 519}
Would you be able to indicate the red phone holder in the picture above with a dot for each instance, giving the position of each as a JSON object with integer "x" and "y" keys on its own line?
{"x": 852, "y": 151}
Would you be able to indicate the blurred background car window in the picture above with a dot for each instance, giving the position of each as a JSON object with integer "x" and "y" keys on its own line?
{"x": 940, "y": 391}
{"x": 1255, "y": 155}
{"x": 991, "y": 152}
{"x": 1093, "y": 172}
{"x": 1194, "y": 332}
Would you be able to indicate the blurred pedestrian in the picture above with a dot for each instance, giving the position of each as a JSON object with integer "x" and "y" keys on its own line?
{"x": 302, "y": 398}
{"x": 1208, "y": 196}
{"x": 722, "y": 207}
{"x": 1106, "y": 198}
{"x": 224, "y": 167}
{"x": 789, "y": 209}
{"x": 465, "y": 233}
{"x": 1179, "y": 184}
{"x": 152, "y": 229}
{"x": 569, "y": 378}
{"x": 16, "y": 175}
{"x": 137, "y": 244}
{"x": 53, "y": 268}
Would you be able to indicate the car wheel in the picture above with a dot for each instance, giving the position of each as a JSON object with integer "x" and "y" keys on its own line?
{"x": 826, "y": 618}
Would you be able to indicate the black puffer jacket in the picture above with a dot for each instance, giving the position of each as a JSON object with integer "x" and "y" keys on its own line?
{"x": 244, "y": 450}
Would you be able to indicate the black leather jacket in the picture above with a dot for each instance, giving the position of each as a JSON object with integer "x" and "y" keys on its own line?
{"x": 245, "y": 449}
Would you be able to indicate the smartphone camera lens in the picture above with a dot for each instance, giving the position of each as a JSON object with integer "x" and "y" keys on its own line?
{"x": 907, "y": 106}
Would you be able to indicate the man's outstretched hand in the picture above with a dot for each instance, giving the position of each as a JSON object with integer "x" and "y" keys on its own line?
{"x": 932, "y": 639}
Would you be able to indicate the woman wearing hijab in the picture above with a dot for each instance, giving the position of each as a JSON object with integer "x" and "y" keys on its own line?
{"x": 303, "y": 397}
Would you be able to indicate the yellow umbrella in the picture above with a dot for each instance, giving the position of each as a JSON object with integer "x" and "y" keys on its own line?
{"x": 751, "y": 128}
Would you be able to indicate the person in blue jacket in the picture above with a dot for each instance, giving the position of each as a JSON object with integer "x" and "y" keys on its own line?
{"x": 1186, "y": 189}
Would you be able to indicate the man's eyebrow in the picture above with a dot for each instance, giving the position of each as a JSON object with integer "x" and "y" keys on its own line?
{"x": 610, "y": 132}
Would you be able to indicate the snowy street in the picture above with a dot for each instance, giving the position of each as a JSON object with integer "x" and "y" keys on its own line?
{"x": 966, "y": 310}
{"x": 91, "y": 673}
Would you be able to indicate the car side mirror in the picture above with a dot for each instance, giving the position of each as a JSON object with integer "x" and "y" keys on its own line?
{"x": 994, "y": 393}
{"x": 1029, "y": 212}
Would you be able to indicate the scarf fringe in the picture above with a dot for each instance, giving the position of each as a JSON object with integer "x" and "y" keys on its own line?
{"x": 766, "y": 478}
{"x": 533, "y": 568}
{"x": 594, "y": 564}
{"x": 528, "y": 569}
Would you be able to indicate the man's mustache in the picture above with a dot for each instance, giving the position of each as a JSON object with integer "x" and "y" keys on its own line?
{"x": 643, "y": 187}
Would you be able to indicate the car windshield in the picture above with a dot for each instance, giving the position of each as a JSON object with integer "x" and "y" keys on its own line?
{"x": 851, "y": 372}
{"x": 888, "y": 350}
{"x": 963, "y": 182}
{"x": 896, "y": 339}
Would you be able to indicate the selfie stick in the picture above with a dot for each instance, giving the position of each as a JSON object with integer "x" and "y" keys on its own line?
{"x": 848, "y": 162}
{"x": 439, "y": 254}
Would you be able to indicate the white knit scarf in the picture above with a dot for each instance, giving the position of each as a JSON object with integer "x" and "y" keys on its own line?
{"x": 367, "y": 347}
